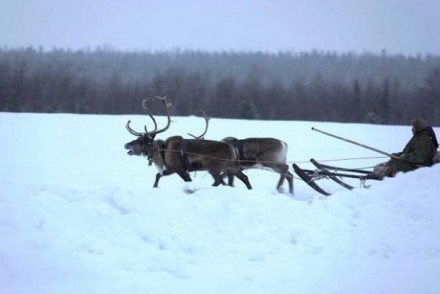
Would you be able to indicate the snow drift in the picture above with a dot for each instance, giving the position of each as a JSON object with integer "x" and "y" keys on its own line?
{"x": 79, "y": 215}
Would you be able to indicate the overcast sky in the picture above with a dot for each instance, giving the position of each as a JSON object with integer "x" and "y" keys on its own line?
{"x": 397, "y": 26}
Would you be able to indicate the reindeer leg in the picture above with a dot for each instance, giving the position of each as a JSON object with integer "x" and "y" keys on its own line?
{"x": 283, "y": 170}
{"x": 223, "y": 175}
{"x": 230, "y": 179}
{"x": 158, "y": 176}
{"x": 218, "y": 179}
{"x": 184, "y": 175}
{"x": 156, "y": 182}
{"x": 280, "y": 182}
{"x": 289, "y": 178}
{"x": 241, "y": 176}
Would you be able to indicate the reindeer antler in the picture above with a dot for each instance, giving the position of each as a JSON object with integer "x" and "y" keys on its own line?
{"x": 205, "y": 116}
{"x": 167, "y": 109}
{"x": 131, "y": 131}
{"x": 144, "y": 106}
{"x": 155, "y": 131}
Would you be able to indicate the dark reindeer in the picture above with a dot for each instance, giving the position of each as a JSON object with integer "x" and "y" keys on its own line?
{"x": 179, "y": 155}
{"x": 266, "y": 153}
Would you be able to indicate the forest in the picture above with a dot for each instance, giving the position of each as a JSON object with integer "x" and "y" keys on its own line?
{"x": 316, "y": 85}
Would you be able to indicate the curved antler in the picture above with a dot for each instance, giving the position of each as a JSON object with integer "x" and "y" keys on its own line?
{"x": 167, "y": 109}
{"x": 205, "y": 116}
{"x": 144, "y": 106}
{"x": 131, "y": 131}
{"x": 155, "y": 131}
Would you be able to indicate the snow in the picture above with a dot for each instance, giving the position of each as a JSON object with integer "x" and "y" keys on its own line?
{"x": 78, "y": 215}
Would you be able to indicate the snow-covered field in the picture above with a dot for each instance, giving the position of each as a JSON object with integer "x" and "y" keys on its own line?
{"x": 78, "y": 215}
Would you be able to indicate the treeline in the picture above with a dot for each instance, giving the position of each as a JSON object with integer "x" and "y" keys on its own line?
{"x": 324, "y": 86}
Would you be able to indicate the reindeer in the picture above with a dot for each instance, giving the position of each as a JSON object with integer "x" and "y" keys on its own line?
{"x": 267, "y": 153}
{"x": 181, "y": 156}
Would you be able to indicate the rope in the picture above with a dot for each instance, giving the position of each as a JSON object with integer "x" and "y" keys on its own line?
{"x": 343, "y": 159}
{"x": 268, "y": 162}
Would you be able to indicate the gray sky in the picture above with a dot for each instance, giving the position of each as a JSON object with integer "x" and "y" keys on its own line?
{"x": 397, "y": 26}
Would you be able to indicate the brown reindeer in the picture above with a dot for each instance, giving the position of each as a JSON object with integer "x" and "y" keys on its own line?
{"x": 181, "y": 156}
{"x": 266, "y": 153}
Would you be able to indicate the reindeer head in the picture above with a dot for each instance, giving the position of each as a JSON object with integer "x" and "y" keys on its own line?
{"x": 143, "y": 145}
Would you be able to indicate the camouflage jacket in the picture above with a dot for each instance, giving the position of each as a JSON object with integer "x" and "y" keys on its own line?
{"x": 418, "y": 152}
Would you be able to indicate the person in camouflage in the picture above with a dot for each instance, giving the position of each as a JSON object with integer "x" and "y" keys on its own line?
{"x": 418, "y": 152}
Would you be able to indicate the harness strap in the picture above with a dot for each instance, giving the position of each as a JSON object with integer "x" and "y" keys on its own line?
{"x": 239, "y": 145}
{"x": 161, "y": 149}
{"x": 183, "y": 153}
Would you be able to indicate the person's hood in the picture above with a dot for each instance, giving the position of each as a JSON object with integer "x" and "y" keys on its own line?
{"x": 419, "y": 124}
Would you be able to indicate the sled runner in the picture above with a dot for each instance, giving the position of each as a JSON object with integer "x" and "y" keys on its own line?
{"x": 334, "y": 173}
